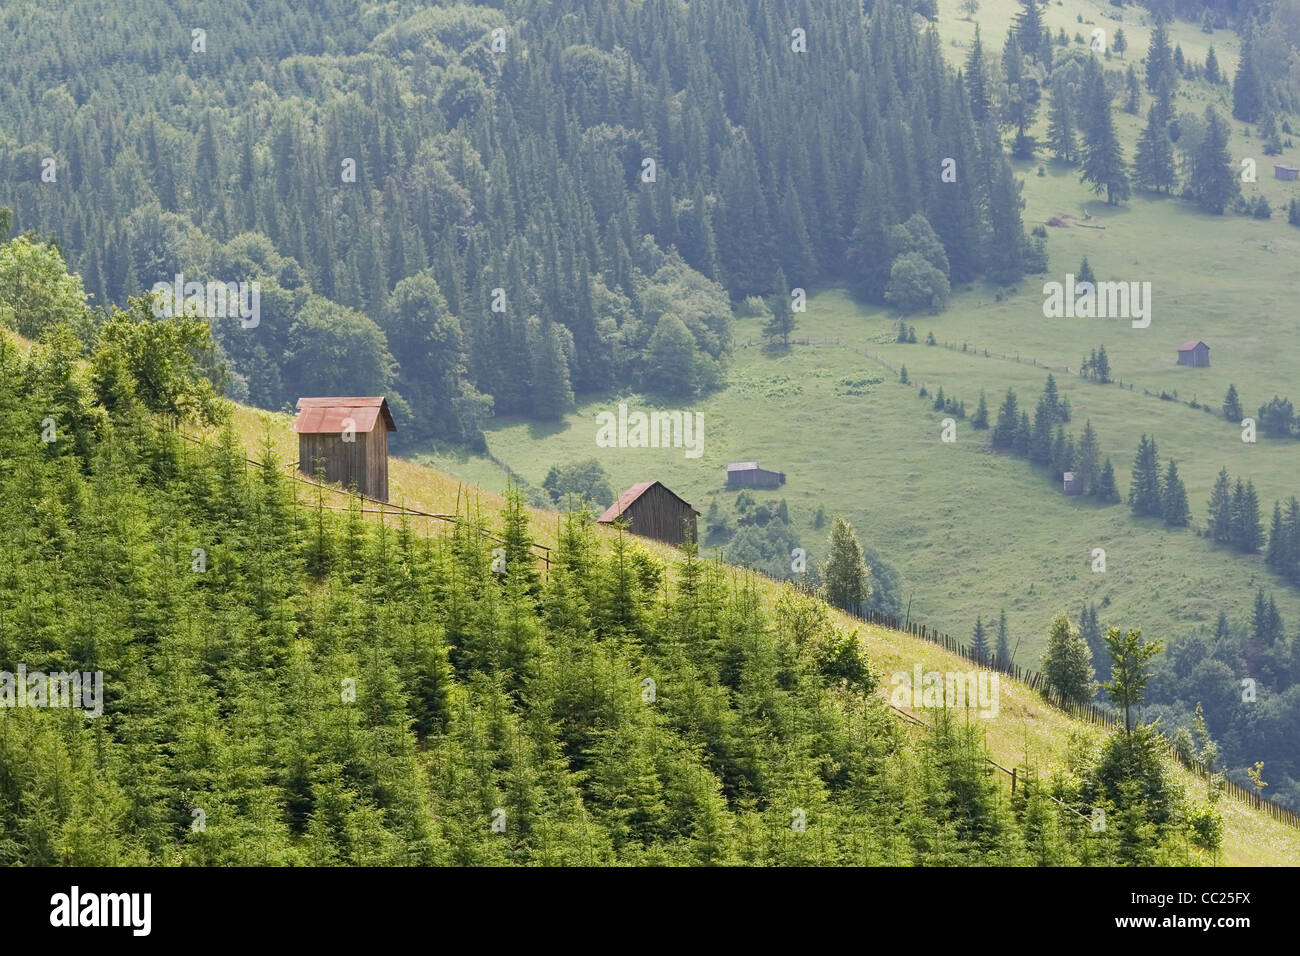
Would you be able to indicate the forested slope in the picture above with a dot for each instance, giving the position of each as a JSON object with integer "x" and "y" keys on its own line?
{"x": 490, "y": 209}
{"x": 317, "y": 686}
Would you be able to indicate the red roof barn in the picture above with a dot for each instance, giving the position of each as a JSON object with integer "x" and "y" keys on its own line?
{"x": 655, "y": 512}
{"x": 1195, "y": 354}
{"x": 349, "y": 438}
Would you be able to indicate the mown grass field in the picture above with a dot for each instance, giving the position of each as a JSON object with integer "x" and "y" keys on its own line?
{"x": 973, "y": 532}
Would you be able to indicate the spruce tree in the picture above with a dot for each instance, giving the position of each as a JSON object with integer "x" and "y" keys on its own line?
{"x": 1247, "y": 88}
{"x": 979, "y": 642}
{"x": 1087, "y": 467}
{"x": 1029, "y": 28}
{"x": 1085, "y": 274}
{"x": 1159, "y": 61}
{"x": 1145, "y": 494}
{"x": 1291, "y": 569}
{"x": 782, "y": 322}
{"x": 1174, "y": 505}
{"x": 1213, "y": 182}
{"x": 845, "y": 574}
{"x": 1061, "y": 131}
{"x": 1067, "y": 665}
{"x": 1278, "y": 557}
{"x": 1153, "y": 162}
{"x": 1103, "y": 161}
{"x": 1212, "y": 66}
{"x": 977, "y": 81}
{"x": 1004, "y": 641}
{"x": 1220, "y": 508}
{"x": 1132, "y": 91}
{"x": 1101, "y": 367}
{"x": 1232, "y": 405}
{"x": 1019, "y": 105}
{"x": 980, "y": 420}
{"x": 1040, "y": 440}
{"x": 1247, "y": 532}
{"x": 1004, "y": 432}
{"x": 1024, "y": 435}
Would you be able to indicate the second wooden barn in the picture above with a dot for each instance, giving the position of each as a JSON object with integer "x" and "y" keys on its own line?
{"x": 1195, "y": 354}
{"x": 747, "y": 474}
{"x": 652, "y": 510}
{"x": 348, "y": 437}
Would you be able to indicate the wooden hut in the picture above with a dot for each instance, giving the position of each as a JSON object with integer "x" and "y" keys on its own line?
{"x": 1281, "y": 171}
{"x": 349, "y": 437}
{"x": 747, "y": 474}
{"x": 1071, "y": 483}
{"x": 653, "y": 511}
{"x": 1195, "y": 354}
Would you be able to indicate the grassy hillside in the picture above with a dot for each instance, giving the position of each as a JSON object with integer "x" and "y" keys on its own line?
{"x": 1025, "y": 732}
{"x": 972, "y": 532}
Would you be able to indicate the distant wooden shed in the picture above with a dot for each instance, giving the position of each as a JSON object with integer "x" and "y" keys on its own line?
{"x": 653, "y": 511}
{"x": 349, "y": 438}
{"x": 747, "y": 474}
{"x": 1281, "y": 171}
{"x": 1071, "y": 484}
{"x": 1195, "y": 354}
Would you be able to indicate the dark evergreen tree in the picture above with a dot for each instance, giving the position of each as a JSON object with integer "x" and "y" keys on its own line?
{"x": 1220, "y": 508}
{"x": 1004, "y": 432}
{"x": 1107, "y": 491}
{"x": 1003, "y": 651}
{"x": 1159, "y": 62}
{"x": 980, "y": 420}
{"x": 1232, "y": 405}
{"x": 1029, "y": 28}
{"x": 1247, "y": 87}
{"x": 1212, "y": 66}
{"x": 976, "y": 78}
{"x": 1061, "y": 131}
{"x": 1213, "y": 182}
{"x": 979, "y": 642}
{"x": 1145, "y": 494}
{"x": 1103, "y": 162}
{"x": 1153, "y": 162}
{"x": 1174, "y": 505}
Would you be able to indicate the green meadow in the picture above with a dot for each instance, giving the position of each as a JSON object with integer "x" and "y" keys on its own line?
{"x": 972, "y": 531}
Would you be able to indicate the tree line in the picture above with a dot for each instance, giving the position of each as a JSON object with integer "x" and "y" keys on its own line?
{"x": 494, "y": 210}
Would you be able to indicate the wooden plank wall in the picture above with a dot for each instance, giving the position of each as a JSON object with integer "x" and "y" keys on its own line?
{"x": 659, "y": 514}
{"x": 345, "y": 461}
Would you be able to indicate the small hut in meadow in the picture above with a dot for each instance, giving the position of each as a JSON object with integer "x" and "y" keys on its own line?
{"x": 1195, "y": 354}
{"x": 1072, "y": 484}
{"x": 653, "y": 511}
{"x": 1281, "y": 171}
{"x": 747, "y": 474}
{"x": 349, "y": 438}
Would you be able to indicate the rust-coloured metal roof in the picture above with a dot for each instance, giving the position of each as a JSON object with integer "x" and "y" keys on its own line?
{"x": 632, "y": 494}
{"x": 326, "y": 416}
{"x": 1188, "y": 346}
